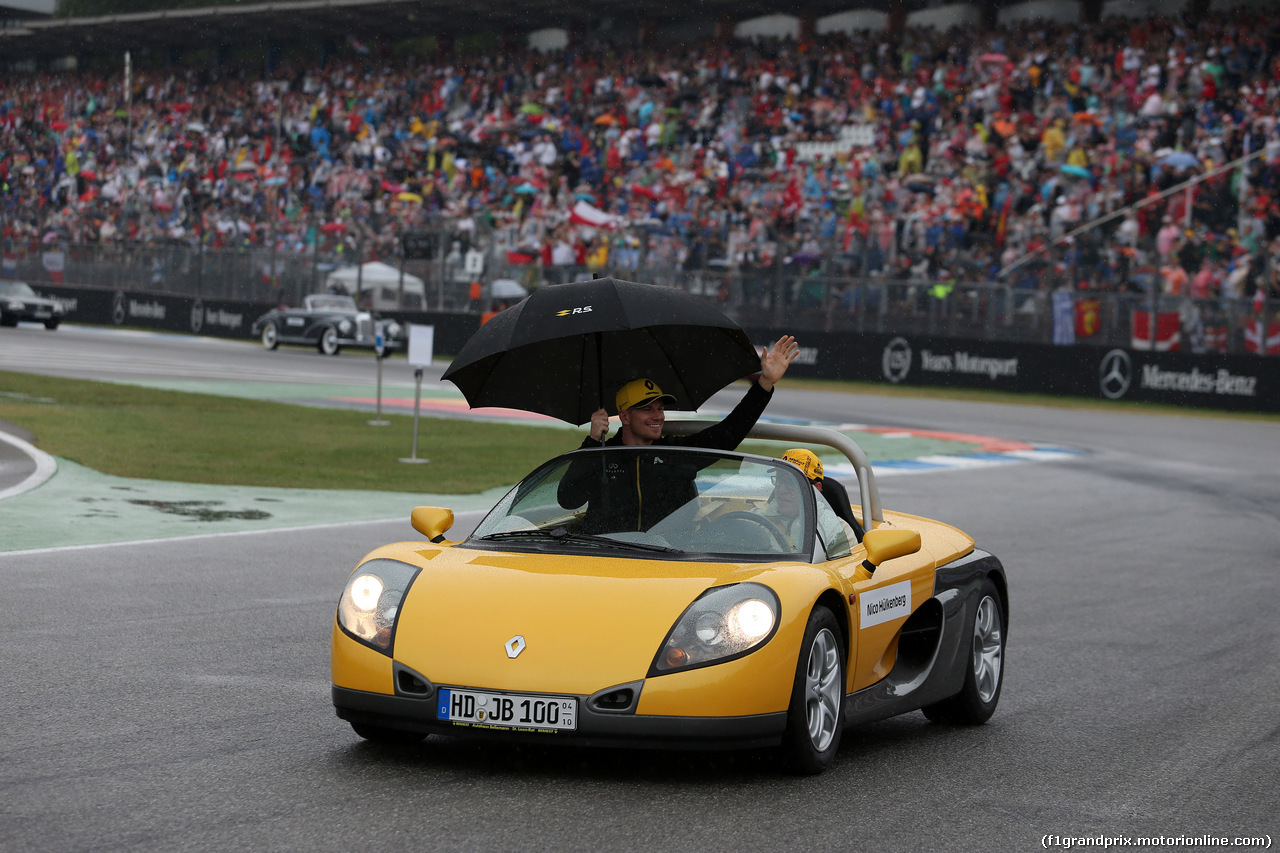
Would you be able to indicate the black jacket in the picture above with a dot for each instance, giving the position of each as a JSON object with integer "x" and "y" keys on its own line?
{"x": 636, "y": 491}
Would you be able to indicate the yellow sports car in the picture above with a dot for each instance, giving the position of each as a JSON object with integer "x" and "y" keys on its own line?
{"x": 729, "y": 604}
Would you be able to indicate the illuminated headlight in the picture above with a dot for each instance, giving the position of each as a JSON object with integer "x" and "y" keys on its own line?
{"x": 17, "y": 306}
{"x": 371, "y": 601}
{"x": 724, "y": 623}
{"x": 345, "y": 327}
{"x": 393, "y": 329}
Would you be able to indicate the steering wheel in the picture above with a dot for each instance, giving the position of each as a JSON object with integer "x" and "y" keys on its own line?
{"x": 784, "y": 544}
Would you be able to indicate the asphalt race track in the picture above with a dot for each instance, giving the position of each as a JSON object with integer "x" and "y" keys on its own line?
{"x": 173, "y": 694}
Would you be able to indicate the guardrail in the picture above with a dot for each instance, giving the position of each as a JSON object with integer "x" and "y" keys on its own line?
{"x": 780, "y": 296}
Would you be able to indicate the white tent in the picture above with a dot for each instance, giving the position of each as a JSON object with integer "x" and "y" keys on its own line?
{"x": 382, "y": 281}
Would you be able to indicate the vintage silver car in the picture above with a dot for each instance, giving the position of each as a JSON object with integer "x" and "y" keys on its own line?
{"x": 18, "y": 303}
{"x": 327, "y": 322}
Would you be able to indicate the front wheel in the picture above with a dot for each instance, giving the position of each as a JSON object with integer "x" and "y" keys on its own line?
{"x": 984, "y": 672}
{"x": 270, "y": 336}
{"x": 815, "y": 718}
{"x": 328, "y": 344}
{"x": 51, "y": 324}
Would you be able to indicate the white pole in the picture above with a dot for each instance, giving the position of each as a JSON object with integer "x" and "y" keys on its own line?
{"x": 417, "y": 400}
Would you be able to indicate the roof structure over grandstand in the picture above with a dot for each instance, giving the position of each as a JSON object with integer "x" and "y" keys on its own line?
{"x": 313, "y": 21}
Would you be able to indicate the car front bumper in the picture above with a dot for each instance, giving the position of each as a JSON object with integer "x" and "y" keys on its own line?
{"x": 595, "y": 728}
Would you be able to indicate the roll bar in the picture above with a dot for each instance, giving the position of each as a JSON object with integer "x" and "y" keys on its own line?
{"x": 809, "y": 435}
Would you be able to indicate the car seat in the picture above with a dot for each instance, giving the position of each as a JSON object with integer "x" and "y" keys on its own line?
{"x": 833, "y": 490}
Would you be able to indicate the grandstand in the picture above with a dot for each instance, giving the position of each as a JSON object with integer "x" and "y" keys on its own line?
{"x": 34, "y": 35}
{"x": 904, "y": 165}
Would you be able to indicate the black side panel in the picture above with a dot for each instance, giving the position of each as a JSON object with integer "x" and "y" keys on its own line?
{"x": 915, "y": 680}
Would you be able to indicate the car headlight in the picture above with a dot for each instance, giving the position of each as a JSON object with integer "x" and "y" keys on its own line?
{"x": 724, "y": 623}
{"x": 393, "y": 329}
{"x": 17, "y": 306}
{"x": 345, "y": 327}
{"x": 370, "y": 604}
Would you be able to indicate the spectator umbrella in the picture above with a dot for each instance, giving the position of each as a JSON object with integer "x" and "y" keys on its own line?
{"x": 566, "y": 349}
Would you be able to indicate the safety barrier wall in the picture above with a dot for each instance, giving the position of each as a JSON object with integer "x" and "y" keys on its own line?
{"x": 1210, "y": 380}
{"x": 223, "y": 318}
{"x": 1241, "y": 383}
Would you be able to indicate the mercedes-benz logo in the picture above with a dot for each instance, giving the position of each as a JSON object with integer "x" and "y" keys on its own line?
{"x": 197, "y": 316}
{"x": 896, "y": 361}
{"x": 1115, "y": 374}
{"x": 515, "y": 646}
{"x": 117, "y": 308}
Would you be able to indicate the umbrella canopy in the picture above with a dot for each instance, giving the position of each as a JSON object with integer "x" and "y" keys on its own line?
{"x": 566, "y": 350}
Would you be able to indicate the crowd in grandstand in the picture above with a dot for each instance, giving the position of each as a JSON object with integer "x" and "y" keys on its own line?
{"x": 949, "y": 155}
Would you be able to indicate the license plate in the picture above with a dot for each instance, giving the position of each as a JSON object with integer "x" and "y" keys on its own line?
{"x": 508, "y": 711}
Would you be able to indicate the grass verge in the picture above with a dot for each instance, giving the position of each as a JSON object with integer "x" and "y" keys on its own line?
{"x": 174, "y": 436}
{"x": 197, "y": 438}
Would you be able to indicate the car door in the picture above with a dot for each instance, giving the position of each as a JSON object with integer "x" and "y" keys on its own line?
{"x": 879, "y": 602}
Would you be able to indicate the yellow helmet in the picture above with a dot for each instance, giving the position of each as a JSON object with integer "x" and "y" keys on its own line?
{"x": 806, "y": 461}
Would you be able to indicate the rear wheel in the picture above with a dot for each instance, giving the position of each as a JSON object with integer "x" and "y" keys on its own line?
{"x": 379, "y": 734}
{"x": 270, "y": 336}
{"x": 51, "y": 324}
{"x": 815, "y": 719}
{"x": 984, "y": 674}
{"x": 328, "y": 343}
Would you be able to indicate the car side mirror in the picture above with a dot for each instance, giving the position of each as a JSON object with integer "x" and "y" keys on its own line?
{"x": 886, "y": 543}
{"x": 433, "y": 521}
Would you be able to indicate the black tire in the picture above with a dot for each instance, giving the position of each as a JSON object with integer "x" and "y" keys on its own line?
{"x": 51, "y": 324}
{"x": 378, "y": 734}
{"x": 270, "y": 336}
{"x": 328, "y": 343}
{"x": 815, "y": 718}
{"x": 8, "y": 321}
{"x": 984, "y": 671}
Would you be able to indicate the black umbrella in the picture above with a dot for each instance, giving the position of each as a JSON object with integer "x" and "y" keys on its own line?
{"x": 568, "y": 348}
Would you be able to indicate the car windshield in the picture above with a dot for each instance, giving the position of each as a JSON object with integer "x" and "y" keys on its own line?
{"x": 693, "y": 504}
{"x": 16, "y": 288}
{"x": 331, "y": 302}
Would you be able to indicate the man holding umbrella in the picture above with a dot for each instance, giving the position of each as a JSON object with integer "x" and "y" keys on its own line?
{"x": 642, "y": 408}
{"x": 632, "y": 493}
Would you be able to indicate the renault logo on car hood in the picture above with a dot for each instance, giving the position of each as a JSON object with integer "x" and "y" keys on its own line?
{"x": 515, "y": 646}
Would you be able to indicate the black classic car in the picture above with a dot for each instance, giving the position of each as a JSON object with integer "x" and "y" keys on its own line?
{"x": 327, "y": 322}
{"x": 18, "y": 302}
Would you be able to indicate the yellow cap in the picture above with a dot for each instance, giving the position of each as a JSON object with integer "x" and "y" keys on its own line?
{"x": 806, "y": 461}
{"x": 639, "y": 392}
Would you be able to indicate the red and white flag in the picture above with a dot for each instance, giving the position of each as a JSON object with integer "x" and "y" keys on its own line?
{"x": 588, "y": 214}
{"x": 1168, "y": 331}
{"x": 1255, "y": 341}
{"x": 54, "y": 264}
